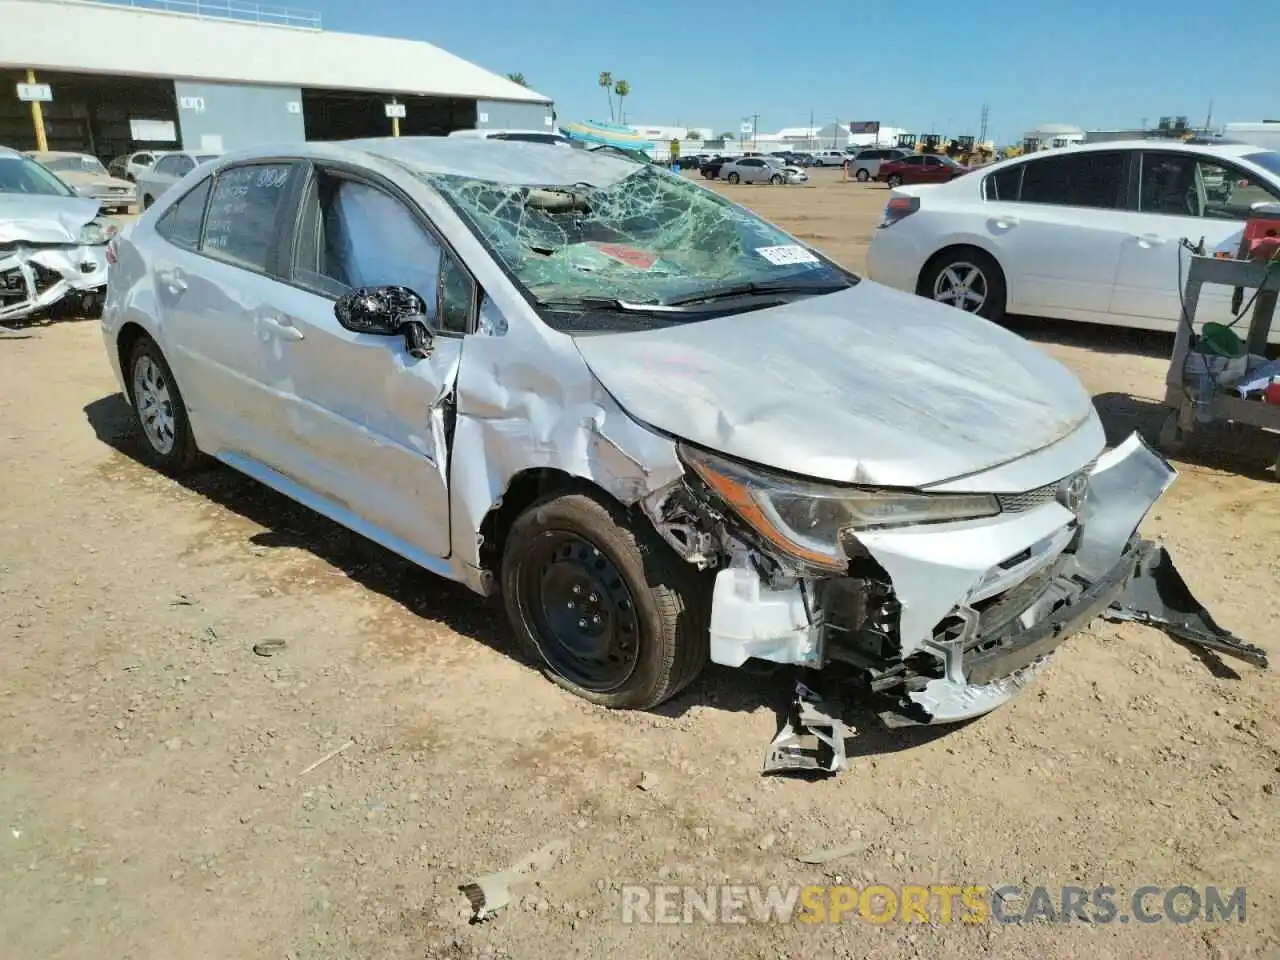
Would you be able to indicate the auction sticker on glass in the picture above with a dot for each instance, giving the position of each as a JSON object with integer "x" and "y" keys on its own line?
{"x": 786, "y": 254}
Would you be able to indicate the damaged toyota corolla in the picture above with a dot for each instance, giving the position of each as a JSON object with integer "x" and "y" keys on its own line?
{"x": 663, "y": 429}
{"x": 52, "y": 243}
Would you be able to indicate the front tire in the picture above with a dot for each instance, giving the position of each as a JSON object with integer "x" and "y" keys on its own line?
{"x": 605, "y": 605}
{"x": 733, "y": 178}
{"x": 862, "y": 176}
{"x": 159, "y": 411}
{"x": 966, "y": 278}
{"x": 775, "y": 180}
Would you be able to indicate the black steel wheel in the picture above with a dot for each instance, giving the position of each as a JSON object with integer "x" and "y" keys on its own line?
{"x": 604, "y": 604}
{"x": 895, "y": 180}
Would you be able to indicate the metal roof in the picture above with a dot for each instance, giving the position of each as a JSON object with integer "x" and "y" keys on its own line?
{"x": 87, "y": 37}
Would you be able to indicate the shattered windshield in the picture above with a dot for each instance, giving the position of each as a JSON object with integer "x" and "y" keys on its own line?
{"x": 23, "y": 176}
{"x": 649, "y": 238}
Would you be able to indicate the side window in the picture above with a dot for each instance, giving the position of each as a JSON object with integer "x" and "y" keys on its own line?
{"x": 1087, "y": 179}
{"x": 166, "y": 165}
{"x": 183, "y": 165}
{"x": 1186, "y": 185}
{"x": 143, "y": 159}
{"x": 1005, "y": 184}
{"x": 364, "y": 237}
{"x": 243, "y": 219}
{"x": 181, "y": 223}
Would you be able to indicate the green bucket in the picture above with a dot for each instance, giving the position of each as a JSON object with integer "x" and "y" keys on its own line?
{"x": 1221, "y": 341}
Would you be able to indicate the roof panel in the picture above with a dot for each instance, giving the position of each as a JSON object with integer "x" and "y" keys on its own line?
{"x": 81, "y": 37}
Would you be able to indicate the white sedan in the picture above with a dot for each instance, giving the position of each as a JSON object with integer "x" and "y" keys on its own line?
{"x": 1088, "y": 233}
{"x": 761, "y": 170}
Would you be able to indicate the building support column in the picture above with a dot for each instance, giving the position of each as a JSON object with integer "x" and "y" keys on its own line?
{"x": 37, "y": 116}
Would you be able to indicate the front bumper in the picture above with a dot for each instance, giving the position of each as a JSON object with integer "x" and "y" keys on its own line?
{"x": 35, "y": 278}
{"x": 968, "y": 612}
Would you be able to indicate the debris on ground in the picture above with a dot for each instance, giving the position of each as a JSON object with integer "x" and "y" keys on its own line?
{"x": 493, "y": 891}
{"x": 811, "y": 738}
{"x": 323, "y": 760}
{"x": 647, "y": 781}
{"x": 835, "y": 853}
{"x": 269, "y": 648}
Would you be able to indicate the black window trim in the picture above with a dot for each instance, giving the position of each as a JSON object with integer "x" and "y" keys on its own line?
{"x": 358, "y": 174}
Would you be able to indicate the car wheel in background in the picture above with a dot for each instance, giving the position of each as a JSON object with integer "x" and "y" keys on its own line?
{"x": 158, "y": 408}
{"x": 776, "y": 179}
{"x": 733, "y": 178}
{"x": 147, "y": 201}
{"x": 862, "y": 175}
{"x": 966, "y": 278}
{"x": 604, "y": 604}
{"x": 894, "y": 180}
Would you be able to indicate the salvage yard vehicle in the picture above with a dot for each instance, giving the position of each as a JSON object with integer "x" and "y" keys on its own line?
{"x": 168, "y": 170}
{"x": 87, "y": 176}
{"x": 760, "y": 170}
{"x": 1091, "y": 234}
{"x": 918, "y": 168}
{"x": 128, "y": 166}
{"x": 663, "y": 429}
{"x": 53, "y": 244}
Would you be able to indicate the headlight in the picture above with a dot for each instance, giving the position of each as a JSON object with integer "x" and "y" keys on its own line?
{"x": 806, "y": 520}
{"x": 96, "y": 232}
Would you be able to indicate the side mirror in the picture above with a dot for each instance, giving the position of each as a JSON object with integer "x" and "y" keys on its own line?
{"x": 387, "y": 312}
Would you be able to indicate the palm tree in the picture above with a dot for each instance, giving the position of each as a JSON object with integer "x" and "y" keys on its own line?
{"x": 621, "y": 88}
{"x": 606, "y": 81}
{"x": 517, "y": 78}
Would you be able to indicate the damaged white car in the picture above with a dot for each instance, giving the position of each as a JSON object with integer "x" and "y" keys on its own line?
{"x": 53, "y": 244}
{"x": 663, "y": 428}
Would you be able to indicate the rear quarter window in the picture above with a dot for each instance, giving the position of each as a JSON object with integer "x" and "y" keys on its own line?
{"x": 1004, "y": 184}
{"x": 181, "y": 223}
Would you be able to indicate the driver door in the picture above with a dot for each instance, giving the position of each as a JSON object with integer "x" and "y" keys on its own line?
{"x": 368, "y": 423}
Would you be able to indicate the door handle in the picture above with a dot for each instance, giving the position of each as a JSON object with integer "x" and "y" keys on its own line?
{"x": 282, "y": 328}
{"x": 1151, "y": 240}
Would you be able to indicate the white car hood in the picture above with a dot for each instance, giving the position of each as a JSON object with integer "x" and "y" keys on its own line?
{"x": 41, "y": 219}
{"x": 867, "y": 386}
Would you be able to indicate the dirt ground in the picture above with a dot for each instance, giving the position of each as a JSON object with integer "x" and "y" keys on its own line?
{"x": 157, "y": 796}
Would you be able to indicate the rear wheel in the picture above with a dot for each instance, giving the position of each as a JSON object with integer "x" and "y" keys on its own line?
{"x": 966, "y": 278}
{"x": 611, "y": 612}
{"x": 161, "y": 414}
{"x": 733, "y": 178}
{"x": 894, "y": 180}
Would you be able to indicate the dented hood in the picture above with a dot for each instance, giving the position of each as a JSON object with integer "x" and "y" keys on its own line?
{"x": 868, "y": 385}
{"x": 40, "y": 219}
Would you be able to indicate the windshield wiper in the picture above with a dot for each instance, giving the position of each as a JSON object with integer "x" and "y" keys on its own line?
{"x": 755, "y": 289}
{"x": 612, "y": 305}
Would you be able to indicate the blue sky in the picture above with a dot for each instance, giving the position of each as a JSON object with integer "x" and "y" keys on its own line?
{"x": 921, "y": 65}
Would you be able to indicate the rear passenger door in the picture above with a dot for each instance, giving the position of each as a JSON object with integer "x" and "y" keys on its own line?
{"x": 1057, "y": 223}
{"x": 216, "y": 283}
{"x": 366, "y": 422}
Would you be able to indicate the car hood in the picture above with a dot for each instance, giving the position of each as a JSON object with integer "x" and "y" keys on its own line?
{"x": 39, "y": 219}
{"x": 868, "y": 386}
{"x": 89, "y": 180}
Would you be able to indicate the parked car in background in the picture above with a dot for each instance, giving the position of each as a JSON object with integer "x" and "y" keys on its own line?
{"x": 1092, "y": 233}
{"x": 830, "y": 158}
{"x": 166, "y": 171}
{"x": 53, "y": 242}
{"x": 87, "y": 176}
{"x": 919, "y": 168}
{"x": 802, "y": 158}
{"x": 128, "y": 166}
{"x": 866, "y": 163}
{"x": 711, "y": 168}
{"x": 673, "y": 446}
{"x": 760, "y": 170}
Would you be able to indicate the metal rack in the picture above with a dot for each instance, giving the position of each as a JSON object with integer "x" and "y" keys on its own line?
{"x": 1183, "y": 405}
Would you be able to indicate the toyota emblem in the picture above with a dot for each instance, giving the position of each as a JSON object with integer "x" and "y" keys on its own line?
{"x": 1071, "y": 492}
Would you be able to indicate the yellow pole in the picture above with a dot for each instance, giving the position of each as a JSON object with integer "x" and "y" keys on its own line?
{"x": 37, "y": 116}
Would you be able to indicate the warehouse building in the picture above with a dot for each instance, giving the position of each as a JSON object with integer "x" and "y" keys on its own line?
{"x": 212, "y": 75}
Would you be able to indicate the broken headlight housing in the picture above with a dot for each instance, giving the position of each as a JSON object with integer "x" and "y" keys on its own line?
{"x": 96, "y": 232}
{"x": 807, "y": 519}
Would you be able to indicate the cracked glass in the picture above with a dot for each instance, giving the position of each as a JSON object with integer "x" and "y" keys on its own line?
{"x": 645, "y": 239}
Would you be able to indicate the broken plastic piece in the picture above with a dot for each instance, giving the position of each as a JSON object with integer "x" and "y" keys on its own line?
{"x": 811, "y": 738}
{"x": 1159, "y": 597}
{"x": 492, "y": 892}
